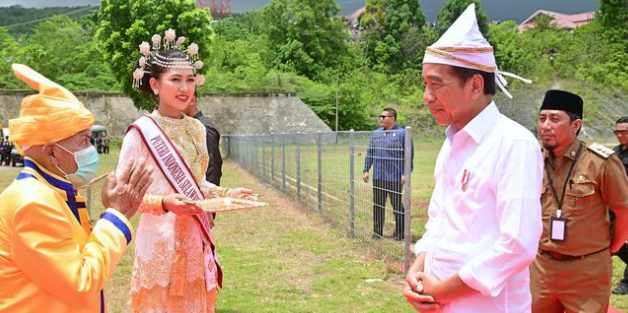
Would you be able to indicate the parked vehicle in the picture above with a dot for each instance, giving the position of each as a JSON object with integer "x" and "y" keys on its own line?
{"x": 16, "y": 158}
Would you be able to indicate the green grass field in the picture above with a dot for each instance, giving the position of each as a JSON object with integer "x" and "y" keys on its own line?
{"x": 286, "y": 258}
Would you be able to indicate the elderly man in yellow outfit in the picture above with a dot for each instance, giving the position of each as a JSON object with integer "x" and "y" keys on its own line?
{"x": 51, "y": 260}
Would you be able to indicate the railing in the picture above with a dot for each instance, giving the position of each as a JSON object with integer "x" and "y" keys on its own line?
{"x": 324, "y": 171}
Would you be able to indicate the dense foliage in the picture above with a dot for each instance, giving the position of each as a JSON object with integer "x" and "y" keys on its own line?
{"x": 453, "y": 9}
{"x": 19, "y": 20}
{"x": 300, "y": 46}
{"x": 393, "y": 33}
{"x": 60, "y": 48}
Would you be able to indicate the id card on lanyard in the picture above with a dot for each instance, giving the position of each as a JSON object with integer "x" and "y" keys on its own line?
{"x": 558, "y": 223}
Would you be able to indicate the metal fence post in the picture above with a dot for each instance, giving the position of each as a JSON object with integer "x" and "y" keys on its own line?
{"x": 228, "y": 148}
{"x": 352, "y": 183}
{"x": 319, "y": 143}
{"x": 283, "y": 163}
{"x": 256, "y": 156}
{"x": 298, "y": 166}
{"x": 249, "y": 156}
{"x": 272, "y": 159}
{"x": 264, "y": 160}
{"x": 408, "y": 197}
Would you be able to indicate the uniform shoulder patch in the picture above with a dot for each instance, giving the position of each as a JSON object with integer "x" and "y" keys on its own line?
{"x": 601, "y": 150}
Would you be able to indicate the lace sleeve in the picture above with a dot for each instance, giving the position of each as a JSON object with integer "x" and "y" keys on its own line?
{"x": 133, "y": 147}
{"x": 212, "y": 191}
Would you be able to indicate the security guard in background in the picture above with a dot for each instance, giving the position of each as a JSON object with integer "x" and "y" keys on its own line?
{"x": 621, "y": 150}
{"x": 573, "y": 271}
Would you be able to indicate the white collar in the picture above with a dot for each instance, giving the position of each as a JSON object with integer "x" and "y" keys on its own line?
{"x": 479, "y": 125}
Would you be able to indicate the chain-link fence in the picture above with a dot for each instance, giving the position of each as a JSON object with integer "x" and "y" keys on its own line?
{"x": 326, "y": 172}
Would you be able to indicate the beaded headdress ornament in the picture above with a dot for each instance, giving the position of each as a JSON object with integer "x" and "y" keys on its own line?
{"x": 153, "y": 56}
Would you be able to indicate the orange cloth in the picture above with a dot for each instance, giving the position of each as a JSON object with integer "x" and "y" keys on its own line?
{"x": 49, "y": 116}
{"x": 48, "y": 261}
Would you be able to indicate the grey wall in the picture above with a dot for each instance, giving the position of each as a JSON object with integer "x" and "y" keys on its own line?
{"x": 232, "y": 114}
{"x": 261, "y": 114}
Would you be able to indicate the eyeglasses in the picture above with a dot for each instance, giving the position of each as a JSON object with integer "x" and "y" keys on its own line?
{"x": 381, "y": 117}
{"x": 623, "y": 132}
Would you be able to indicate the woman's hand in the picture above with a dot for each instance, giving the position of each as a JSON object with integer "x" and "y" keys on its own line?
{"x": 243, "y": 193}
{"x": 181, "y": 205}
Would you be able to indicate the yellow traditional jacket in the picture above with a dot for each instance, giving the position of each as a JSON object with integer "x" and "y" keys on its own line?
{"x": 50, "y": 258}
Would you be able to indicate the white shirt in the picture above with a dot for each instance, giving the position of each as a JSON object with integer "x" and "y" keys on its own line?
{"x": 490, "y": 233}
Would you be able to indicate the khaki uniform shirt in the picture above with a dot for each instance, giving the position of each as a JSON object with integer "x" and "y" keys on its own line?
{"x": 597, "y": 183}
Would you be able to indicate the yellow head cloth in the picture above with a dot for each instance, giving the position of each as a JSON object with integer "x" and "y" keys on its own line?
{"x": 49, "y": 116}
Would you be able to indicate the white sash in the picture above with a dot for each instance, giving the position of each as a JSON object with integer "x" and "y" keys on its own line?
{"x": 175, "y": 170}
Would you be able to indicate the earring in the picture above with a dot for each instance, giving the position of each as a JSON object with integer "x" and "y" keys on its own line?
{"x": 156, "y": 91}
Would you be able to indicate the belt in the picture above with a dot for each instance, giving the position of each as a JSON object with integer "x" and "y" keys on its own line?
{"x": 563, "y": 257}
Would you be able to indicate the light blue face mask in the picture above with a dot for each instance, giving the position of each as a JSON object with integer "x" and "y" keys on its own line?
{"x": 87, "y": 164}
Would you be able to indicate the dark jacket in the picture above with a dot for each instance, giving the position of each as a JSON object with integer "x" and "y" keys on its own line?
{"x": 214, "y": 170}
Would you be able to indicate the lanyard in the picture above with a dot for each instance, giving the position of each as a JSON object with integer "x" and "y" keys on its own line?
{"x": 567, "y": 179}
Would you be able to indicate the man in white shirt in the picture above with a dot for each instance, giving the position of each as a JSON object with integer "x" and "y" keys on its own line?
{"x": 485, "y": 212}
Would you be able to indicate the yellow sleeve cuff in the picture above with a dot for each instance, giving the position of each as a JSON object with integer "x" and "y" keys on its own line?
{"x": 120, "y": 222}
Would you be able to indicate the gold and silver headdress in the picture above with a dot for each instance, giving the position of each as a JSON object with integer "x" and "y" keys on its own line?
{"x": 153, "y": 56}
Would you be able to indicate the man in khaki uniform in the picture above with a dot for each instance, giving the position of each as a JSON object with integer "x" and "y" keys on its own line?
{"x": 573, "y": 272}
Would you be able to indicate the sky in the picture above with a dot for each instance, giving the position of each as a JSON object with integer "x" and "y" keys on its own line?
{"x": 517, "y": 10}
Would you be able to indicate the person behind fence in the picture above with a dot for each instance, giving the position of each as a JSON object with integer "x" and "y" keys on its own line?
{"x": 484, "y": 215}
{"x": 176, "y": 268}
{"x": 105, "y": 144}
{"x": 99, "y": 144}
{"x": 6, "y": 153}
{"x": 621, "y": 151}
{"x": 1, "y": 150}
{"x": 386, "y": 153}
{"x": 51, "y": 258}
{"x": 573, "y": 270}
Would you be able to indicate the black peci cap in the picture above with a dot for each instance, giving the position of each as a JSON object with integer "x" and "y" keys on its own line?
{"x": 564, "y": 101}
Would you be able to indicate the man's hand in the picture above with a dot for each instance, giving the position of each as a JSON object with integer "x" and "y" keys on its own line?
{"x": 403, "y": 179}
{"x": 414, "y": 293}
{"x": 447, "y": 290}
{"x": 124, "y": 191}
{"x": 243, "y": 193}
{"x": 365, "y": 177}
{"x": 431, "y": 286}
{"x": 181, "y": 205}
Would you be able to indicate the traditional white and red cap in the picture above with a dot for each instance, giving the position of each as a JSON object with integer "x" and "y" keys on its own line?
{"x": 463, "y": 45}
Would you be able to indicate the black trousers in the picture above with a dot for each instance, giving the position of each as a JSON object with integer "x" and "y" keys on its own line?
{"x": 622, "y": 253}
{"x": 381, "y": 190}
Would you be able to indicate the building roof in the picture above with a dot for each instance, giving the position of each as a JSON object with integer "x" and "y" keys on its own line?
{"x": 355, "y": 15}
{"x": 560, "y": 20}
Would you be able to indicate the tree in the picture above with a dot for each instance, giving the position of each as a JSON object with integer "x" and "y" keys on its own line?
{"x": 124, "y": 24}
{"x": 63, "y": 50}
{"x": 16, "y": 15}
{"x": 50, "y": 48}
{"x": 393, "y": 34}
{"x": 453, "y": 9}
{"x": 544, "y": 22}
{"x": 305, "y": 35}
{"x": 613, "y": 16}
{"x": 8, "y": 52}
{"x": 403, "y": 16}
{"x": 373, "y": 22}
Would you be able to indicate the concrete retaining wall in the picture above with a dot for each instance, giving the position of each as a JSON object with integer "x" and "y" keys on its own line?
{"x": 232, "y": 114}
